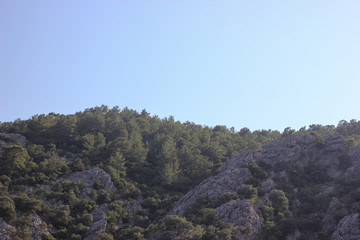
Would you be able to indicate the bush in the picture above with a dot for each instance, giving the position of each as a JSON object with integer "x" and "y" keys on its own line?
{"x": 206, "y": 216}
{"x": 105, "y": 236}
{"x": 7, "y": 208}
{"x": 104, "y": 197}
{"x": 25, "y": 204}
{"x": 279, "y": 200}
{"x": 247, "y": 192}
{"x": 86, "y": 219}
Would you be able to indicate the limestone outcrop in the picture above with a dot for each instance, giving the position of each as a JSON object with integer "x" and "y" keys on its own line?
{"x": 300, "y": 153}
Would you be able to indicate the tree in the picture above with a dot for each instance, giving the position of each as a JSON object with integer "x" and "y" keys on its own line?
{"x": 247, "y": 192}
{"x": 169, "y": 164}
{"x": 175, "y": 227}
{"x": 105, "y": 236}
{"x": 7, "y": 208}
{"x": 279, "y": 200}
{"x": 13, "y": 160}
{"x": 116, "y": 167}
{"x": 136, "y": 153}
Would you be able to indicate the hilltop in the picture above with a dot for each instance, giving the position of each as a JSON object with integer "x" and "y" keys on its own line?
{"x": 118, "y": 174}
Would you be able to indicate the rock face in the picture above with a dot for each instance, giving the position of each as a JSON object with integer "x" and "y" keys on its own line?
{"x": 37, "y": 227}
{"x": 354, "y": 155}
{"x": 10, "y": 138}
{"x": 240, "y": 213}
{"x": 335, "y": 211}
{"x": 348, "y": 228}
{"x": 99, "y": 224}
{"x": 6, "y": 230}
{"x": 89, "y": 177}
{"x": 295, "y": 152}
{"x": 228, "y": 180}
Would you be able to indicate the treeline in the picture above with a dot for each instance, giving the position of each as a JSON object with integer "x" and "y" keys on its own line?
{"x": 137, "y": 146}
{"x": 157, "y": 159}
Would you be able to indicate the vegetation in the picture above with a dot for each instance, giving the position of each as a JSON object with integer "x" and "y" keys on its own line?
{"x": 156, "y": 160}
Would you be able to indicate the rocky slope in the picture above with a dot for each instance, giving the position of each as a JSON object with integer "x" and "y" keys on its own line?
{"x": 323, "y": 163}
{"x": 297, "y": 187}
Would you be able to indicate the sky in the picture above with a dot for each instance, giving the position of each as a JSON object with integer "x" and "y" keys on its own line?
{"x": 256, "y": 64}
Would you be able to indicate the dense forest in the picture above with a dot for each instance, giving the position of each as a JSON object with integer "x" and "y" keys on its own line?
{"x": 152, "y": 163}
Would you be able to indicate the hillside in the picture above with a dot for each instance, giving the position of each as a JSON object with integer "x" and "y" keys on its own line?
{"x": 119, "y": 174}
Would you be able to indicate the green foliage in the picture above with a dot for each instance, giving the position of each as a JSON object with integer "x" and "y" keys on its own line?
{"x": 116, "y": 168}
{"x": 77, "y": 165}
{"x": 13, "y": 160}
{"x": 168, "y": 162}
{"x": 104, "y": 197}
{"x": 59, "y": 216}
{"x": 221, "y": 231}
{"x": 97, "y": 185}
{"x": 22, "y": 229}
{"x": 267, "y": 212}
{"x": 105, "y": 236}
{"x": 174, "y": 226}
{"x": 156, "y": 160}
{"x": 25, "y": 204}
{"x": 86, "y": 219}
{"x": 54, "y": 166}
{"x": 258, "y": 174}
{"x": 279, "y": 200}
{"x": 247, "y": 192}
{"x": 206, "y": 216}
{"x": 7, "y": 208}
{"x": 130, "y": 233}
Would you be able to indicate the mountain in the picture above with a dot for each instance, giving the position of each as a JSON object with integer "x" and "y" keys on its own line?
{"x": 297, "y": 187}
{"x": 118, "y": 174}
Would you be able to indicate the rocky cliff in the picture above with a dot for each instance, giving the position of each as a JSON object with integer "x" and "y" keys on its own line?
{"x": 299, "y": 166}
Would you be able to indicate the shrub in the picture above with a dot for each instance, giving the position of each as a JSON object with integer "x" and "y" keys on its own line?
{"x": 7, "y": 208}
{"x": 279, "y": 200}
{"x": 105, "y": 236}
{"x": 206, "y": 216}
{"x": 247, "y": 192}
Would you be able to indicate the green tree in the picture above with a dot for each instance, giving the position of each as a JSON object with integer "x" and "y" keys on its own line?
{"x": 169, "y": 164}
{"x": 247, "y": 192}
{"x": 279, "y": 200}
{"x": 105, "y": 236}
{"x": 116, "y": 167}
{"x": 13, "y": 160}
{"x": 7, "y": 208}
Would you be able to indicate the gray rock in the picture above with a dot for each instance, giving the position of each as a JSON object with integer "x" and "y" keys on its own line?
{"x": 347, "y": 229}
{"x": 37, "y": 227}
{"x": 296, "y": 151}
{"x": 293, "y": 236}
{"x": 243, "y": 214}
{"x": 354, "y": 155}
{"x": 99, "y": 224}
{"x": 334, "y": 213}
{"x": 89, "y": 177}
{"x": 18, "y": 138}
{"x": 6, "y": 230}
{"x": 267, "y": 185}
{"x": 228, "y": 180}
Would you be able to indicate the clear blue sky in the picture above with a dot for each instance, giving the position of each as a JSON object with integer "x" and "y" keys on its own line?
{"x": 256, "y": 64}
